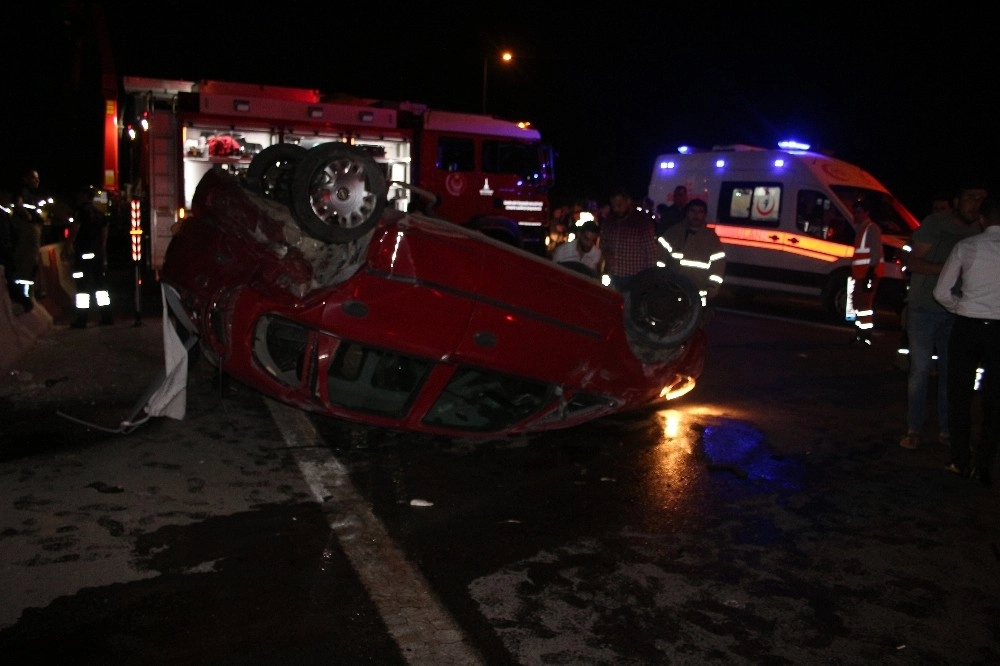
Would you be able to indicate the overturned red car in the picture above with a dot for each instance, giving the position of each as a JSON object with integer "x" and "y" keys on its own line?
{"x": 301, "y": 282}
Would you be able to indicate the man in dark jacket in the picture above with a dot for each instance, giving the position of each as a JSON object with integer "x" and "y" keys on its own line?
{"x": 26, "y": 236}
{"x": 86, "y": 247}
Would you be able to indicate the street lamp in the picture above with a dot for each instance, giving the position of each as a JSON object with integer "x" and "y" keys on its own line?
{"x": 506, "y": 56}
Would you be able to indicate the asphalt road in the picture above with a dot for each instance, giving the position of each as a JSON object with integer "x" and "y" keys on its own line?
{"x": 768, "y": 517}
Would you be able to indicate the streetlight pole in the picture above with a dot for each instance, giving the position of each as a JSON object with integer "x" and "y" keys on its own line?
{"x": 506, "y": 56}
{"x": 486, "y": 69}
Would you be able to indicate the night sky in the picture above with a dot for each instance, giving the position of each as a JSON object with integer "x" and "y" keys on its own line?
{"x": 908, "y": 95}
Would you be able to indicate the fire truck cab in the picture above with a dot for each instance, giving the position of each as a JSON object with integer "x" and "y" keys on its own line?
{"x": 487, "y": 173}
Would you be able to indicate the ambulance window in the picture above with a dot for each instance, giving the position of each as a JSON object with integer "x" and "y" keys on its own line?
{"x": 739, "y": 204}
{"x": 766, "y": 204}
{"x": 750, "y": 204}
{"x": 456, "y": 154}
{"x": 811, "y": 212}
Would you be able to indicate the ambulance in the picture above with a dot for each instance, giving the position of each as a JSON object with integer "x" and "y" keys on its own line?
{"x": 783, "y": 216}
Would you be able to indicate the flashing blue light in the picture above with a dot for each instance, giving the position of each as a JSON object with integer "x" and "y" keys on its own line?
{"x": 684, "y": 150}
{"x": 791, "y": 144}
{"x": 720, "y": 163}
{"x": 778, "y": 163}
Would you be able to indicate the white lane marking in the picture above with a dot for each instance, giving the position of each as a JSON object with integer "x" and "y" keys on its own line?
{"x": 423, "y": 629}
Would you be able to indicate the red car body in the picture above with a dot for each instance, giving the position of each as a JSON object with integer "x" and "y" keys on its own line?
{"x": 419, "y": 324}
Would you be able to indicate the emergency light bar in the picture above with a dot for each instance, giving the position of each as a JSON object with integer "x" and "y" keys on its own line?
{"x": 136, "y": 231}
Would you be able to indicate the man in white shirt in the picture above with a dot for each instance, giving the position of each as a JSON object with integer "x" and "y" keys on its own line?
{"x": 969, "y": 287}
{"x": 583, "y": 249}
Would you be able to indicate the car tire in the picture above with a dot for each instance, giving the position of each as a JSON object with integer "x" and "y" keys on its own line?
{"x": 662, "y": 308}
{"x": 270, "y": 173}
{"x": 338, "y": 192}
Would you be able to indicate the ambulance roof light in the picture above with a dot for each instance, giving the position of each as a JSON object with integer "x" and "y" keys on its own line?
{"x": 792, "y": 144}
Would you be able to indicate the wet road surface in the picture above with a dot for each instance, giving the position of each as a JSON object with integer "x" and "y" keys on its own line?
{"x": 768, "y": 517}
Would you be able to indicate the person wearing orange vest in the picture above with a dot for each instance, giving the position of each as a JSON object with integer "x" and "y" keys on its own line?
{"x": 867, "y": 267}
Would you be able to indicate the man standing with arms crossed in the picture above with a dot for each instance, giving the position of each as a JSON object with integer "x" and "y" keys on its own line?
{"x": 628, "y": 240}
{"x": 928, "y": 324}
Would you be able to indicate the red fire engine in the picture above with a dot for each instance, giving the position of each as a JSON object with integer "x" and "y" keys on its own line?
{"x": 487, "y": 173}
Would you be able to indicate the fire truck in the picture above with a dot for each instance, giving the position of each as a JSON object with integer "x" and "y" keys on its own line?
{"x": 486, "y": 173}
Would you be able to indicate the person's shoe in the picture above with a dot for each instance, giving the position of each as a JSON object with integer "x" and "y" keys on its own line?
{"x": 955, "y": 469}
{"x": 911, "y": 440}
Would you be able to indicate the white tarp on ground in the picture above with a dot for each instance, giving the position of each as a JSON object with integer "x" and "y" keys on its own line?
{"x": 170, "y": 399}
{"x": 168, "y": 395}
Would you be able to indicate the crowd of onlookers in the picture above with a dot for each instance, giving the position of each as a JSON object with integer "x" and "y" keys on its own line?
{"x": 952, "y": 314}
{"x": 20, "y": 242}
{"x": 627, "y": 235}
{"x": 23, "y": 221}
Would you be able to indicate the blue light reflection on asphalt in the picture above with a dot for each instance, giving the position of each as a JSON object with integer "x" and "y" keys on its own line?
{"x": 737, "y": 444}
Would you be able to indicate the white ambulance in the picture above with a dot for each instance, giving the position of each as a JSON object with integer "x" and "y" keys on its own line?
{"x": 782, "y": 216}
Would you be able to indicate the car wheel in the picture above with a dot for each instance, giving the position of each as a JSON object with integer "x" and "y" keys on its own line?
{"x": 662, "y": 307}
{"x": 338, "y": 192}
{"x": 270, "y": 172}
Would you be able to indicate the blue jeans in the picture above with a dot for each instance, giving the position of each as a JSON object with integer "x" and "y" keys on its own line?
{"x": 621, "y": 282}
{"x": 928, "y": 332}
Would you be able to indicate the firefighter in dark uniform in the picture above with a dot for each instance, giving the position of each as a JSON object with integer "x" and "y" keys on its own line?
{"x": 86, "y": 247}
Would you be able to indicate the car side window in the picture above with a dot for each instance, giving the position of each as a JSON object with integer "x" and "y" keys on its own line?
{"x": 485, "y": 401}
